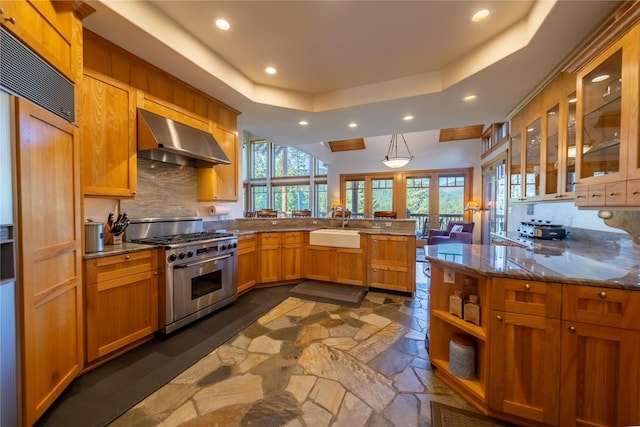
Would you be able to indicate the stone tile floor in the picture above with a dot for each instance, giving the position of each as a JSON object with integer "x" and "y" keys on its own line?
{"x": 311, "y": 364}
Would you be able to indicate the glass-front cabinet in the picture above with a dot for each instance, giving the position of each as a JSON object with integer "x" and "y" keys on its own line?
{"x": 540, "y": 168}
{"x": 607, "y": 120}
{"x": 532, "y": 160}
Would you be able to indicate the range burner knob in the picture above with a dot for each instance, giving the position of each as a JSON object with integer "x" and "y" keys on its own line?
{"x": 172, "y": 257}
{"x": 223, "y": 247}
{"x": 189, "y": 254}
{"x": 181, "y": 255}
{"x": 235, "y": 245}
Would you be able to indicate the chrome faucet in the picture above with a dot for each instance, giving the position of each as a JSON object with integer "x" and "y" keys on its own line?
{"x": 345, "y": 220}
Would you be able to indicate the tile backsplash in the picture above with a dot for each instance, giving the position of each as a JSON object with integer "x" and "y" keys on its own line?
{"x": 164, "y": 190}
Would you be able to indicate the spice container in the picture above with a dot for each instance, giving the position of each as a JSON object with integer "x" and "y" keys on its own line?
{"x": 456, "y": 304}
{"x": 472, "y": 310}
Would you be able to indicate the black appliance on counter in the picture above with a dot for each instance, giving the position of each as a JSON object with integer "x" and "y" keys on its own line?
{"x": 540, "y": 229}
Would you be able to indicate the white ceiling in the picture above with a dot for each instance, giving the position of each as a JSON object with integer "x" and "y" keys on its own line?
{"x": 369, "y": 62}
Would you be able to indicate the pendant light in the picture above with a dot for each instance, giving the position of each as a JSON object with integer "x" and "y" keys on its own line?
{"x": 392, "y": 159}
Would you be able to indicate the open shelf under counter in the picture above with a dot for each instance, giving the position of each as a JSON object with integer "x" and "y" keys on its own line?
{"x": 469, "y": 328}
{"x": 472, "y": 388}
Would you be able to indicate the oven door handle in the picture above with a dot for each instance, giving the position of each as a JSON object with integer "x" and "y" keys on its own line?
{"x": 193, "y": 264}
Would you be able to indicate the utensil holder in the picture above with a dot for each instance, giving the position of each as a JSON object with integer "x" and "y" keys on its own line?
{"x": 110, "y": 238}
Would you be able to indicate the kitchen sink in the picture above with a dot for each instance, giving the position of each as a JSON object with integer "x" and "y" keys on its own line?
{"x": 335, "y": 237}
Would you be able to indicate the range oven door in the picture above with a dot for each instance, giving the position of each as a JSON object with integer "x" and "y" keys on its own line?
{"x": 201, "y": 284}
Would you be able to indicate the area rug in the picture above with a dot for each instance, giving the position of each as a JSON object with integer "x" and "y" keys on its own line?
{"x": 332, "y": 293}
{"x": 448, "y": 416}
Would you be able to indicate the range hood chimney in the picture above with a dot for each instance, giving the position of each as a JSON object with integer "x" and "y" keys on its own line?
{"x": 165, "y": 140}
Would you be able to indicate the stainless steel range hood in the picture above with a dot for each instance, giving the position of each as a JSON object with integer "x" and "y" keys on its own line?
{"x": 166, "y": 140}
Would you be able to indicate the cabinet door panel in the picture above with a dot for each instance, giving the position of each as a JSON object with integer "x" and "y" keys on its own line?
{"x": 317, "y": 262}
{"x": 291, "y": 262}
{"x": 599, "y": 376}
{"x": 525, "y": 366}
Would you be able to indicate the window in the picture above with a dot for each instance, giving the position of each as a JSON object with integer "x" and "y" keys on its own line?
{"x": 282, "y": 178}
{"x": 290, "y": 161}
{"x": 451, "y": 201}
{"x": 417, "y": 202}
{"x": 287, "y": 198}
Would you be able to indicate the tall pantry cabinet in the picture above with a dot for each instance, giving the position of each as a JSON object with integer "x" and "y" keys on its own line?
{"x": 48, "y": 201}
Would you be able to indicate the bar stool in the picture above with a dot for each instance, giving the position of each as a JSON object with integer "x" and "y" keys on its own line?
{"x": 301, "y": 213}
{"x": 267, "y": 213}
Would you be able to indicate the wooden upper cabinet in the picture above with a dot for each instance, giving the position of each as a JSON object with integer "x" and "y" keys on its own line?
{"x": 108, "y": 125}
{"x": 221, "y": 181}
{"x": 50, "y": 28}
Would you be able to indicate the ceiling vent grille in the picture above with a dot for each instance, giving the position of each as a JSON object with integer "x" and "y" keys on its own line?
{"x": 25, "y": 74}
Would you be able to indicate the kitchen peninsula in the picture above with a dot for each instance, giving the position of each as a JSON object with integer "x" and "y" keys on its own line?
{"x": 559, "y": 332}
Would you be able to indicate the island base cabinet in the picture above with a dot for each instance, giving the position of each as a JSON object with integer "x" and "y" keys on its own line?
{"x": 247, "y": 261}
{"x": 600, "y": 376}
{"x": 525, "y": 366}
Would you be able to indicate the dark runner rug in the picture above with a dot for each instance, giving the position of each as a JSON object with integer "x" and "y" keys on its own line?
{"x": 103, "y": 394}
{"x": 332, "y": 293}
{"x": 448, "y": 416}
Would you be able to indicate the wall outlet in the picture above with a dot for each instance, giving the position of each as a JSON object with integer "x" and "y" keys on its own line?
{"x": 387, "y": 224}
{"x": 274, "y": 222}
{"x": 314, "y": 222}
{"x": 449, "y": 276}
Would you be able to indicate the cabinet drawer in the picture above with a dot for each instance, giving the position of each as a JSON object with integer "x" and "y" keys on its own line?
{"x": 247, "y": 242}
{"x": 527, "y": 297}
{"x": 292, "y": 237}
{"x": 616, "y": 193}
{"x": 117, "y": 266}
{"x": 581, "y": 195}
{"x": 601, "y": 306}
{"x": 596, "y": 195}
{"x": 633, "y": 192}
{"x": 267, "y": 239}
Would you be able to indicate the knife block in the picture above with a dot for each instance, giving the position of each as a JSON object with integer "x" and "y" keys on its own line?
{"x": 110, "y": 238}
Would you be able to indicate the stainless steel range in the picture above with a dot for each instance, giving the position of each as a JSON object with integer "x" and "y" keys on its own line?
{"x": 199, "y": 266}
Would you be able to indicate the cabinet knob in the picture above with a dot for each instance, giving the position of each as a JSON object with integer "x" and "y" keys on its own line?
{"x": 572, "y": 329}
{"x": 12, "y": 20}
{"x": 127, "y": 258}
{"x": 374, "y": 241}
{"x": 134, "y": 192}
{"x": 155, "y": 273}
{"x": 602, "y": 294}
{"x": 1, "y": 10}
{"x": 375, "y": 270}
{"x": 527, "y": 286}
{"x": 499, "y": 318}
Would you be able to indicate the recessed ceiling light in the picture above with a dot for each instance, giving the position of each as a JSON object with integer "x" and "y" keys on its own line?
{"x": 303, "y": 122}
{"x": 469, "y": 97}
{"x": 353, "y": 125}
{"x": 480, "y": 15}
{"x": 407, "y": 118}
{"x": 600, "y": 78}
{"x": 270, "y": 70}
{"x": 223, "y": 24}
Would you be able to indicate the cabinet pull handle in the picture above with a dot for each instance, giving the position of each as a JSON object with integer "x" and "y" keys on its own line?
{"x": 635, "y": 193}
{"x": 527, "y": 286}
{"x": 595, "y": 195}
{"x": 572, "y": 329}
{"x": 499, "y": 318}
{"x": 613, "y": 194}
{"x": 579, "y": 196}
{"x": 602, "y": 294}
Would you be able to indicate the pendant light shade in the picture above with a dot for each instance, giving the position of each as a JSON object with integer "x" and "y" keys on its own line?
{"x": 393, "y": 159}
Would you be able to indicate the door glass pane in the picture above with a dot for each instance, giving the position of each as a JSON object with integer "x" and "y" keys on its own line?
{"x": 287, "y": 198}
{"x": 321, "y": 200}
{"x": 259, "y": 197}
{"x": 601, "y": 95}
{"x": 532, "y": 165}
{"x": 451, "y": 200}
{"x": 354, "y": 193}
{"x": 570, "y": 183}
{"x": 321, "y": 167}
{"x": 417, "y": 202}
{"x": 551, "y": 164}
{"x": 382, "y": 194}
{"x": 515, "y": 179}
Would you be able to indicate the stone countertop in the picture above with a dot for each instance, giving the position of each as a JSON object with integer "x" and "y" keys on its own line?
{"x": 124, "y": 248}
{"x": 389, "y": 232}
{"x": 614, "y": 264}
